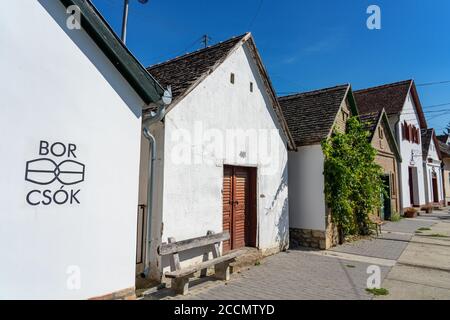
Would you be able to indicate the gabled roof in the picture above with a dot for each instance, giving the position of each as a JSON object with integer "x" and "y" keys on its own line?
{"x": 390, "y": 97}
{"x": 183, "y": 72}
{"x": 443, "y": 138}
{"x": 186, "y": 72}
{"x": 115, "y": 50}
{"x": 445, "y": 149}
{"x": 427, "y": 136}
{"x": 311, "y": 115}
{"x": 372, "y": 120}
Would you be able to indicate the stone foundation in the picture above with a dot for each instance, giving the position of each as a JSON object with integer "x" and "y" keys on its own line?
{"x": 317, "y": 239}
{"x": 125, "y": 294}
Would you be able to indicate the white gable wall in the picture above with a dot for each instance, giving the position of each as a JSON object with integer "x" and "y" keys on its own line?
{"x": 307, "y": 206}
{"x": 409, "y": 114}
{"x": 192, "y": 196}
{"x": 59, "y": 87}
{"x": 429, "y": 169}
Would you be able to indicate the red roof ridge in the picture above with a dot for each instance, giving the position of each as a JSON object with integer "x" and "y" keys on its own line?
{"x": 384, "y": 86}
{"x": 314, "y": 92}
{"x": 242, "y": 36}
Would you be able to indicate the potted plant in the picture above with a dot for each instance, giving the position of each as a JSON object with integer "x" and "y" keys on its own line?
{"x": 410, "y": 213}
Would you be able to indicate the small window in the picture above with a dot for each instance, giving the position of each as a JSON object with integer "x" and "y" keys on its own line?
{"x": 380, "y": 132}
{"x": 232, "y": 78}
{"x": 251, "y": 86}
{"x": 344, "y": 116}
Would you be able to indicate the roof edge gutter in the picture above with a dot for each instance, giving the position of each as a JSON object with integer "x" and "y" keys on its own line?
{"x": 115, "y": 50}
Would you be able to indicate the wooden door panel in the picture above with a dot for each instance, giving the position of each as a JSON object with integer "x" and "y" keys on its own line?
{"x": 239, "y": 214}
{"x": 227, "y": 205}
{"x": 239, "y": 210}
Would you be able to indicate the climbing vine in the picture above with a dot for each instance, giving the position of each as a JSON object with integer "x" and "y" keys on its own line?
{"x": 353, "y": 181}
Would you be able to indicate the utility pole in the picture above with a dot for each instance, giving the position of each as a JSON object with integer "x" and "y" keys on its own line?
{"x": 126, "y": 4}
{"x": 205, "y": 40}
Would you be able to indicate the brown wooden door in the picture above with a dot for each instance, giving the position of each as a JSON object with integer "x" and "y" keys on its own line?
{"x": 411, "y": 185}
{"x": 435, "y": 188}
{"x": 239, "y": 214}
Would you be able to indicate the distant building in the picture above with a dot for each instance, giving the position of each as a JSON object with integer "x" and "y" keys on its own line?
{"x": 406, "y": 118}
{"x": 311, "y": 117}
{"x": 388, "y": 157}
{"x": 432, "y": 161}
{"x": 221, "y": 155}
{"x": 444, "y": 147}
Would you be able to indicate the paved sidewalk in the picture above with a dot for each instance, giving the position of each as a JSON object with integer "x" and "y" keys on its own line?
{"x": 423, "y": 270}
{"x": 292, "y": 275}
{"x": 413, "y": 266}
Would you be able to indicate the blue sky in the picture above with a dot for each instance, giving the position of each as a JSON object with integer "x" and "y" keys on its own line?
{"x": 307, "y": 45}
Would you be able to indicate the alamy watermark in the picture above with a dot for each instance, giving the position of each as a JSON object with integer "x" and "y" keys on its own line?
{"x": 73, "y": 21}
{"x": 210, "y": 146}
{"x": 73, "y": 281}
{"x": 374, "y": 280}
{"x": 374, "y": 20}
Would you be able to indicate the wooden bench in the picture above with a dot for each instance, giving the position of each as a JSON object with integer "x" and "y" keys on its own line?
{"x": 377, "y": 222}
{"x": 180, "y": 277}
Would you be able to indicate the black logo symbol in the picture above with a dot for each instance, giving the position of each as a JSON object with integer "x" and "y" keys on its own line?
{"x": 44, "y": 171}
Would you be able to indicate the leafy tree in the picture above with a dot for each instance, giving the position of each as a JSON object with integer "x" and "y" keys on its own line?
{"x": 353, "y": 181}
{"x": 447, "y": 129}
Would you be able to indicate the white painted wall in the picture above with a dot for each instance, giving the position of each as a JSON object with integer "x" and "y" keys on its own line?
{"x": 192, "y": 191}
{"x": 409, "y": 114}
{"x": 307, "y": 207}
{"x": 429, "y": 169}
{"x": 58, "y": 86}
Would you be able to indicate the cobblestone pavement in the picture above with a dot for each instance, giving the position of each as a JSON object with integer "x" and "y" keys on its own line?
{"x": 303, "y": 274}
{"x": 387, "y": 246}
{"x": 423, "y": 269}
{"x": 407, "y": 225}
{"x": 292, "y": 275}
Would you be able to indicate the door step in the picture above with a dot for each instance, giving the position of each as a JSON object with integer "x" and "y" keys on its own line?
{"x": 251, "y": 257}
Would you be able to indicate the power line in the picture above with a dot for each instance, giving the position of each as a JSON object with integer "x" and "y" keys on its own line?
{"x": 256, "y": 15}
{"x": 437, "y": 105}
{"x": 432, "y": 83}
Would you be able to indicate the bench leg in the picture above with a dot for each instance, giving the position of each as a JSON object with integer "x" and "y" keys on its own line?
{"x": 222, "y": 271}
{"x": 180, "y": 285}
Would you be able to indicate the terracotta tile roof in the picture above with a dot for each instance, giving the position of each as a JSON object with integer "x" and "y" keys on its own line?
{"x": 184, "y": 71}
{"x": 443, "y": 138}
{"x": 310, "y": 115}
{"x": 391, "y": 97}
{"x": 445, "y": 149}
{"x": 427, "y": 134}
{"x": 370, "y": 121}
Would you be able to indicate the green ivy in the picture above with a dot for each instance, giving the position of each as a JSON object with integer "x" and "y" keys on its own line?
{"x": 353, "y": 181}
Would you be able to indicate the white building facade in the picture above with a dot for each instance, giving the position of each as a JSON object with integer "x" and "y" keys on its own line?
{"x": 225, "y": 125}
{"x": 406, "y": 118}
{"x": 409, "y": 140}
{"x": 70, "y": 125}
{"x": 432, "y": 164}
{"x": 312, "y": 117}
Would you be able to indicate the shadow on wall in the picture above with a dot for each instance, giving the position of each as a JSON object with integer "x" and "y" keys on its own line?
{"x": 282, "y": 237}
{"x": 86, "y": 45}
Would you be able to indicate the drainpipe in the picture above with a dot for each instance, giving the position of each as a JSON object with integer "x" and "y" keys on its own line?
{"x": 149, "y": 121}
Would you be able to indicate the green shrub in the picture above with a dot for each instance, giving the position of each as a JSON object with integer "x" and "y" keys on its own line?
{"x": 353, "y": 182}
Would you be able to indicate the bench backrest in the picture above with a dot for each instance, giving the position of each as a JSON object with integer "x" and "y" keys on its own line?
{"x": 180, "y": 246}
